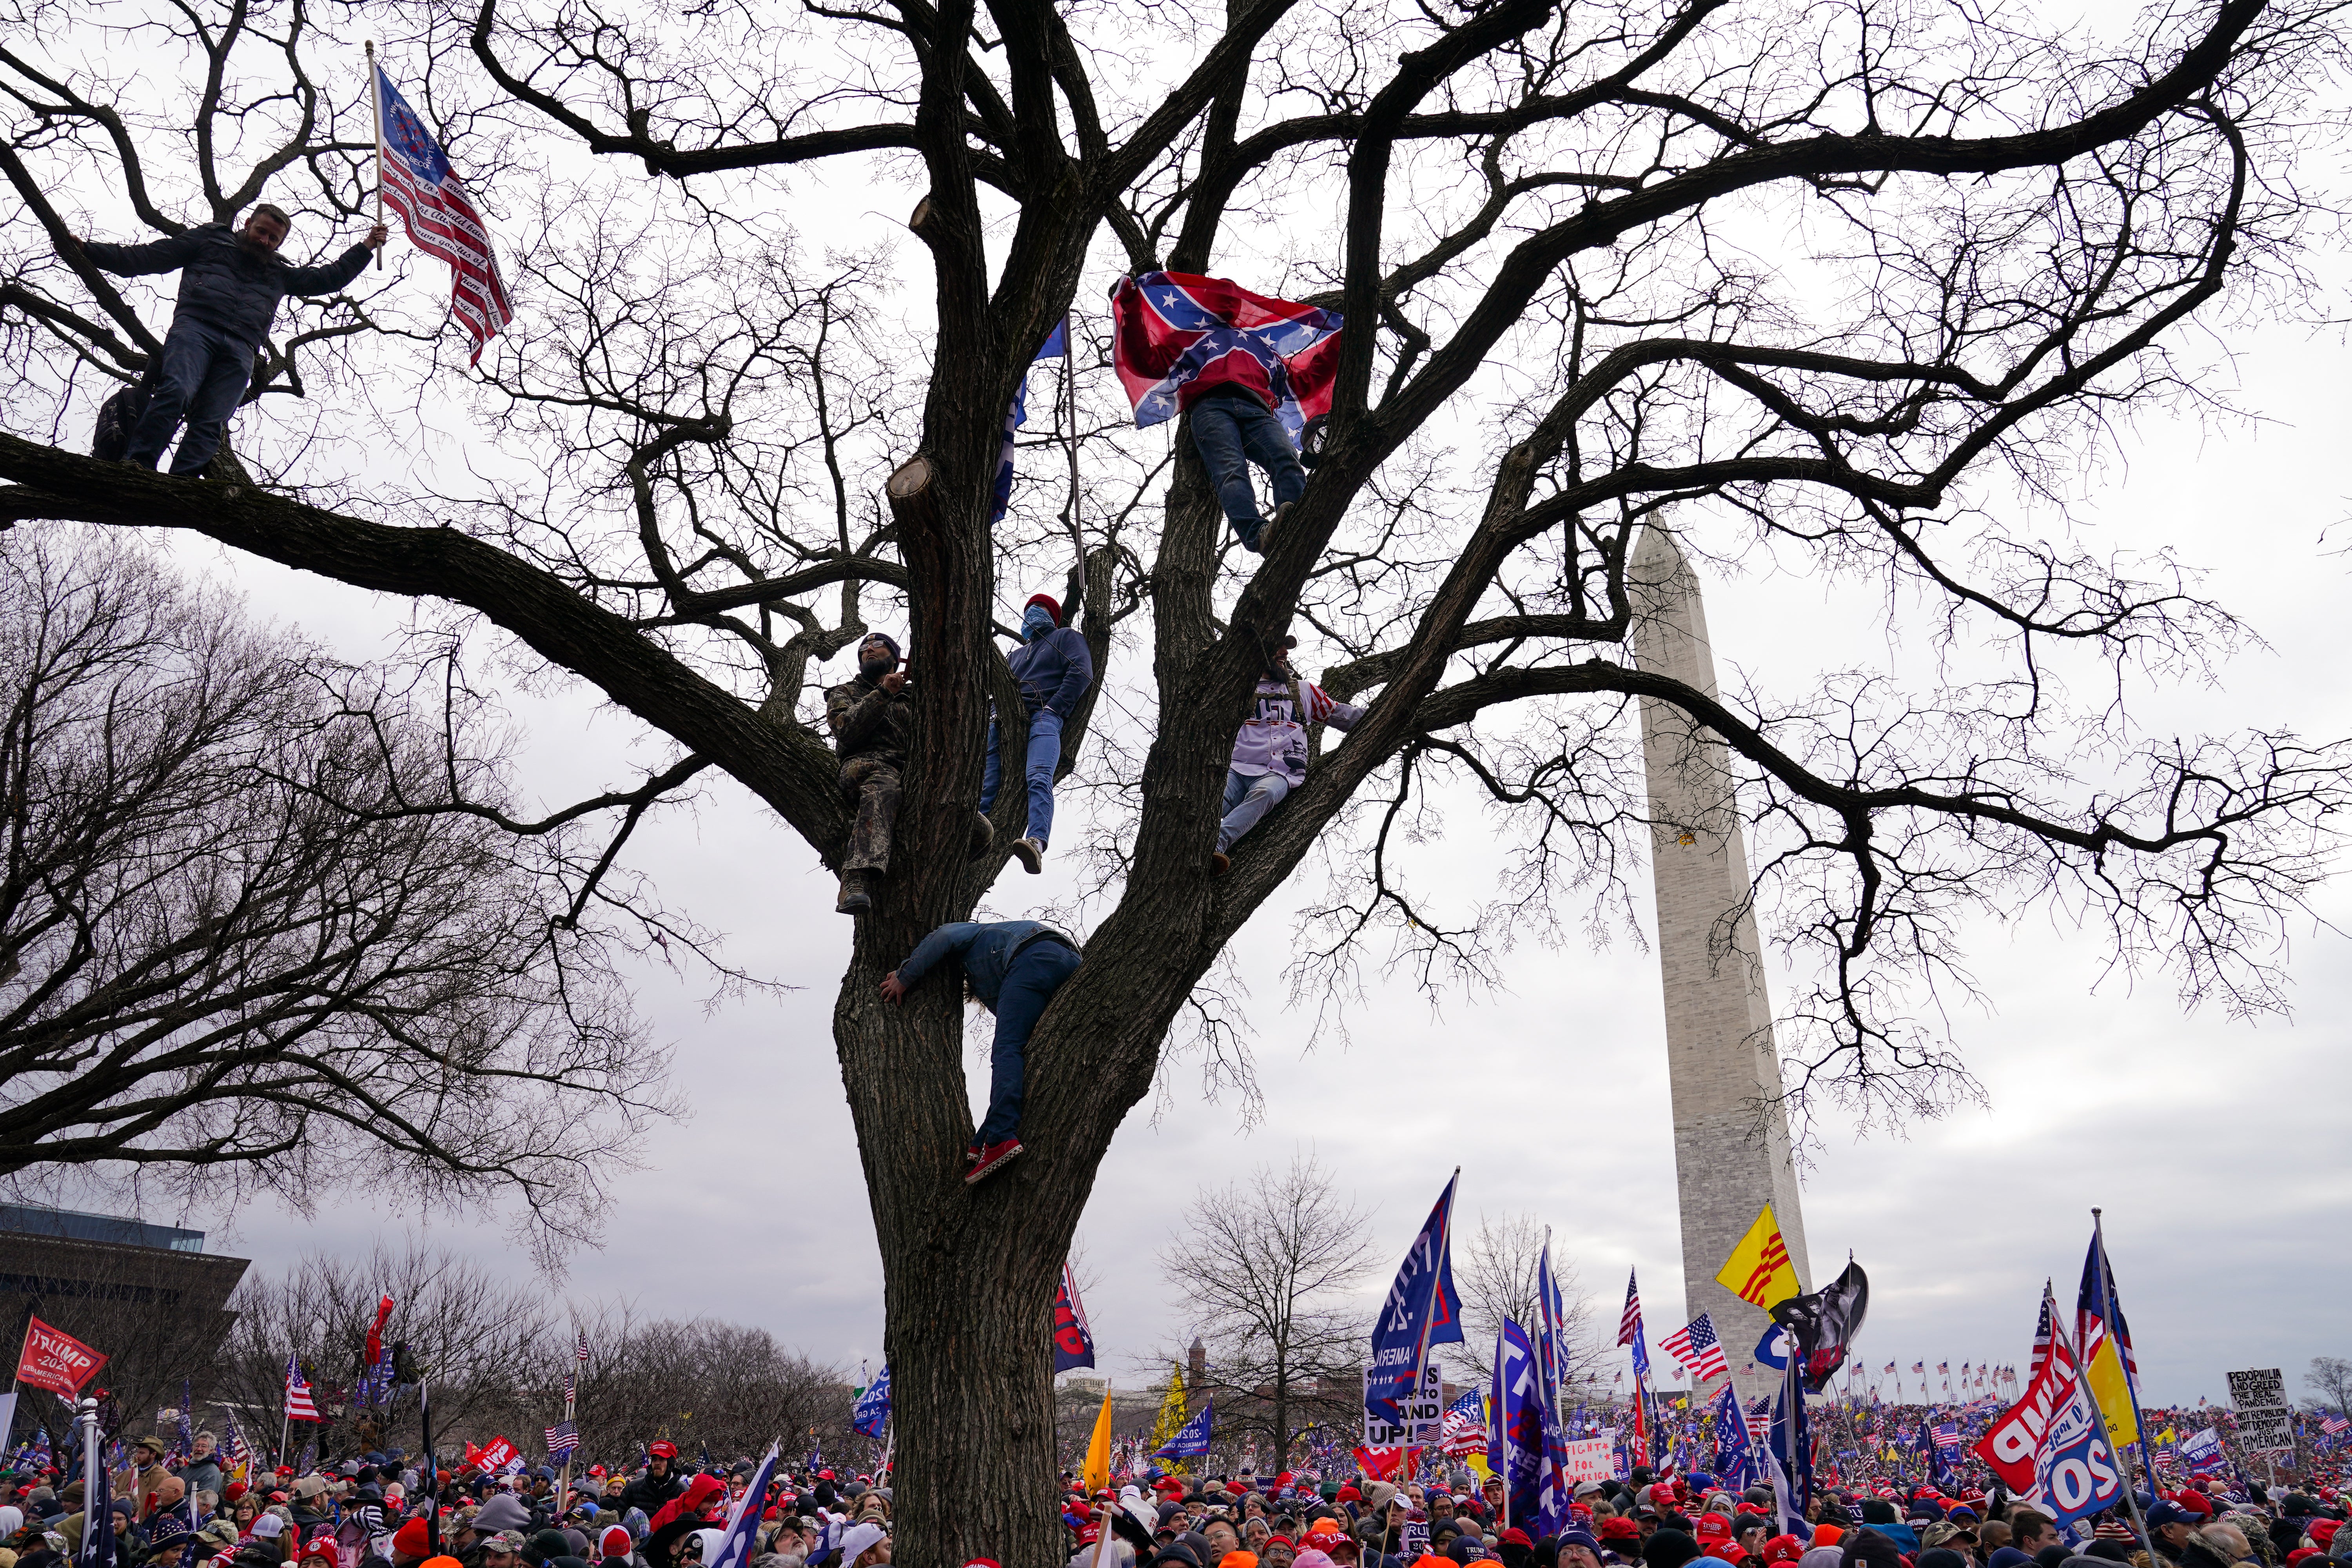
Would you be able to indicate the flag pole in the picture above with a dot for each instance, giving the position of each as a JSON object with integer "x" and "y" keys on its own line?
{"x": 2083, "y": 1380}
{"x": 376, "y": 110}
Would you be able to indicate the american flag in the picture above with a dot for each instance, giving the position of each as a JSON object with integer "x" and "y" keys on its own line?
{"x": 440, "y": 217}
{"x": 1759, "y": 1417}
{"x": 583, "y": 1344}
{"x": 1174, "y": 334}
{"x": 2332, "y": 1425}
{"x": 233, "y": 1444}
{"x": 569, "y": 1390}
{"x": 1947, "y": 1436}
{"x": 1629, "y": 1324}
{"x": 1695, "y": 1347}
{"x": 1920, "y": 1367}
{"x": 562, "y": 1439}
{"x": 1462, "y": 1432}
{"x": 298, "y": 1405}
{"x": 2041, "y": 1336}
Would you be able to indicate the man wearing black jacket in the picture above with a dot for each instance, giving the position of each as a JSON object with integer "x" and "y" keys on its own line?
{"x": 230, "y": 283}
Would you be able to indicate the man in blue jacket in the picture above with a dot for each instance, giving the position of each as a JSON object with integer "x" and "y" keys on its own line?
{"x": 1054, "y": 667}
{"x": 1011, "y": 968}
{"x": 230, "y": 283}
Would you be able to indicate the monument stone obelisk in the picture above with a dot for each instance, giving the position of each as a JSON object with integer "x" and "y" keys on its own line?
{"x": 1731, "y": 1133}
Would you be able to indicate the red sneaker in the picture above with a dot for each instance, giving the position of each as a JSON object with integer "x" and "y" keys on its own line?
{"x": 992, "y": 1159}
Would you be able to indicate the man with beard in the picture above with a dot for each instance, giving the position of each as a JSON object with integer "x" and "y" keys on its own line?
{"x": 230, "y": 283}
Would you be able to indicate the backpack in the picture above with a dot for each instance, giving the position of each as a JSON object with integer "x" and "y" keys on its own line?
{"x": 117, "y": 417}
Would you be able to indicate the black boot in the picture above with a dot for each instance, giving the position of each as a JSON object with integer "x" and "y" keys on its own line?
{"x": 857, "y": 892}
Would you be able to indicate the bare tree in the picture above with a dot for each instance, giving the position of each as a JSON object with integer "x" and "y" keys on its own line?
{"x": 140, "y": 1308}
{"x": 2330, "y": 1377}
{"x": 1266, "y": 1270}
{"x": 472, "y": 1335}
{"x": 1830, "y": 285}
{"x": 1495, "y": 1272}
{"x": 229, "y": 959}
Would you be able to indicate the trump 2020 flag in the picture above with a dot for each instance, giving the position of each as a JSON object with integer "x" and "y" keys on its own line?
{"x": 1421, "y": 1311}
{"x": 1176, "y": 335}
{"x": 439, "y": 216}
{"x": 1192, "y": 1441}
{"x": 872, "y": 1407}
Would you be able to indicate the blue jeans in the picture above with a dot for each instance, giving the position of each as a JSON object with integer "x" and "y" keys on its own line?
{"x": 1247, "y": 799}
{"x": 199, "y": 377}
{"x": 1037, "y": 971}
{"x": 1232, "y": 432}
{"x": 1044, "y": 755}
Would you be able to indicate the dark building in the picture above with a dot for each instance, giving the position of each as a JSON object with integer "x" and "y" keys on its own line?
{"x": 147, "y": 1296}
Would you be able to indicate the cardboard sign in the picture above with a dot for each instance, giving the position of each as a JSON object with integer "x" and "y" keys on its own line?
{"x": 1590, "y": 1458}
{"x": 1422, "y": 1414}
{"x": 2266, "y": 1424}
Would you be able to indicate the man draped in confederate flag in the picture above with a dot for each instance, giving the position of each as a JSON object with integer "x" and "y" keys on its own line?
{"x": 1251, "y": 371}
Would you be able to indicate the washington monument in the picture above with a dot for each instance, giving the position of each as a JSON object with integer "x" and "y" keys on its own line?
{"x": 1731, "y": 1136}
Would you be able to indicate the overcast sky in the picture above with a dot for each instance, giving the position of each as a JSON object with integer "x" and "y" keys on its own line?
{"x": 2216, "y": 1146}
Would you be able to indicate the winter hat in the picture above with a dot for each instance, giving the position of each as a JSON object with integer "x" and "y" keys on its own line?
{"x": 1052, "y": 606}
{"x": 503, "y": 1511}
{"x": 550, "y": 1543}
{"x": 887, "y": 640}
{"x": 855, "y": 1540}
{"x": 412, "y": 1538}
{"x": 1313, "y": 1557}
{"x": 1669, "y": 1549}
{"x": 615, "y": 1541}
{"x": 442, "y": 1562}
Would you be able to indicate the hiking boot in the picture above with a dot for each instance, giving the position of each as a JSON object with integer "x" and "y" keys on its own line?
{"x": 1030, "y": 853}
{"x": 992, "y": 1159}
{"x": 1219, "y": 863}
{"x": 983, "y": 835}
{"x": 856, "y": 893}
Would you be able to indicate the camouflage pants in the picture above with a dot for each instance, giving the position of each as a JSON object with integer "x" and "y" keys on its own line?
{"x": 872, "y": 786}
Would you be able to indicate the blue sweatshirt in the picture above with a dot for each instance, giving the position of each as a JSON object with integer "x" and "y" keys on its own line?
{"x": 986, "y": 948}
{"x": 1054, "y": 671}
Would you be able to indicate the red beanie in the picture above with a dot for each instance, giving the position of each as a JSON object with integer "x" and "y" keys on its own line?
{"x": 412, "y": 1540}
{"x": 1053, "y": 606}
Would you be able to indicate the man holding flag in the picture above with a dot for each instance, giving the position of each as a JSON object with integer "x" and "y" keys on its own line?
{"x": 230, "y": 283}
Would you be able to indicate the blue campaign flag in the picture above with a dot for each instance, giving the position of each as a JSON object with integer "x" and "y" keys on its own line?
{"x": 872, "y": 1407}
{"x": 1735, "y": 1452}
{"x": 1056, "y": 346}
{"x": 1772, "y": 1349}
{"x": 1421, "y": 1310}
{"x": 1551, "y": 1311}
{"x": 742, "y": 1526}
{"x": 1791, "y": 1457}
{"x": 1192, "y": 1441}
{"x": 1515, "y": 1446}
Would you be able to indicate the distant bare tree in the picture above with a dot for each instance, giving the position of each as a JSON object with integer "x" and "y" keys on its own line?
{"x": 474, "y": 1336}
{"x": 127, "y": 1302}
{"x": 702, "y": 1384}
{"x": 233, "y": 955}
{"x": 1496, "y": 1273}
{"x": 2332, "y": 1377}
{"x": 1264, "y": 1267}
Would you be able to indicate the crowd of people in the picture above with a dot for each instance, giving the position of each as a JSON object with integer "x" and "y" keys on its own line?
{"x": 1647, "y": 1521}
{"x": 386, "y": 1509}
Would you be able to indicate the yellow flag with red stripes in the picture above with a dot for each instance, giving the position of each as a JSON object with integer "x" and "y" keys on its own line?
{"x": 1759, "y": 1270}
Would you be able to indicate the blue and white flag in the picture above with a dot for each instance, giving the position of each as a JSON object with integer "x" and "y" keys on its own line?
{"x": 1735, "y": 1451}
{"x": 1056, "y": 346}
{"x": 1192, "y": 1441}
{"x": 1421, "y": 1310}
{"x": 1551, "y": 1313}
{"x": 873, "y": 1408}
{"x": 2203, "y": 1452}
{"x": 735, "y": 1547}
{"x": 1772, "y": 1349}
{"x": 1514, "y": 1448}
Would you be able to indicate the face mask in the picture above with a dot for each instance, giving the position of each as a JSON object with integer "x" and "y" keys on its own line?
{"x": 1036, "y": 623}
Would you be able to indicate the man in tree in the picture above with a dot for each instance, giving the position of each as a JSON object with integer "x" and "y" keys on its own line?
{"x": 1270, "y": 753}
{"x": 230, "y": 283}
{"x": 1011, "y": 968}
{"x": 872, "y": 719}
{"x": 1054, "y": 669}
